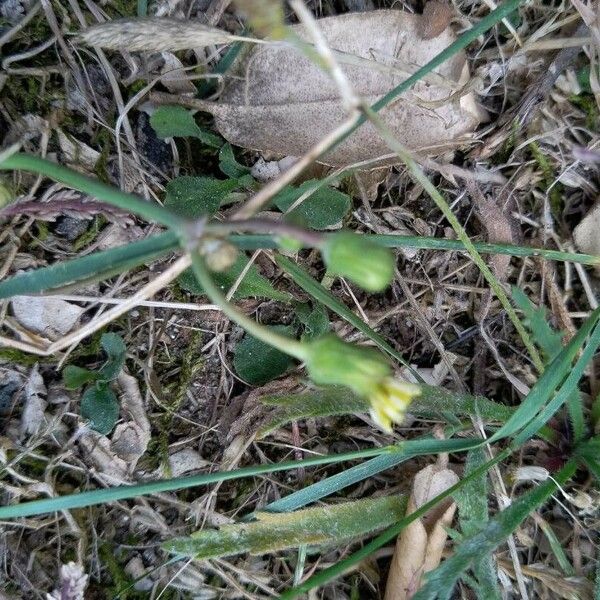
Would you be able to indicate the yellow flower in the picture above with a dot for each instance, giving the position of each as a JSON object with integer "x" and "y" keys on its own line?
{"x": 389, "y": 401}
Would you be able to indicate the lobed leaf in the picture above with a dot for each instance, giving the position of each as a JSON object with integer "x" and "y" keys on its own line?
{"x": 257, "y": 362}
{"x": 177, "y": 121}
{"x": 271, "y": 532}
{"x": 441, "y": 581}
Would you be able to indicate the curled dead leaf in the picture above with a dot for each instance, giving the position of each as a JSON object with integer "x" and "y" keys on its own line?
{"x": 420, "y": 545}
{"x": 276, "y": 100}
{"x": 585, "y": 234}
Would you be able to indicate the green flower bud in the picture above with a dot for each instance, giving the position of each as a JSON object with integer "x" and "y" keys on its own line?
{"x": 331, "y": 361}
{"x": 360, "y": 260}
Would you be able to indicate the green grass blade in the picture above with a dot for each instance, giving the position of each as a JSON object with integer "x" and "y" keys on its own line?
{"x": 387, "y": 536}
{"x": 91, "y": 498}
{"x": 99, "y": 265}
{"x": 337, "y": 482}
{"x": 441, "y": 581}
{"x": 565, "y": 392}
{"x": 547, "y": 383}
{"x": 267, "y": 241}
{"x": 318, "y": 292}
{"x": 107, "y": 193}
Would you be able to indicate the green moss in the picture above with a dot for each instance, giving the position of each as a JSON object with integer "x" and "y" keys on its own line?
{"x": 18, "y": 357}
{"x": 587, "y": 103}
{"x": 175, "y": 393}
{"x": 549, "y": 180}
{"x": 89, "y": 236}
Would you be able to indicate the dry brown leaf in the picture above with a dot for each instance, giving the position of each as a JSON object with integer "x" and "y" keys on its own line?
{"x": 32, "y": 417}
{"x": 277, "y": 100}
{"x": 586, "y": 235}
{"x": 281, "y": 102}
{"x": 174, "y": 77}
{"x": 420, "y": 545}
{"x": 131, "y": 438}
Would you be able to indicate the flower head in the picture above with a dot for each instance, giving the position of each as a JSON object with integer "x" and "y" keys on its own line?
{"x": 365, "y": 371}
{"x": 389, "y": 401}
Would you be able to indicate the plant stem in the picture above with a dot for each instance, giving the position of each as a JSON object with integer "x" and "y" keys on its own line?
{"x": 418, "y": 174}
{"x": 281, "y": 342}
{"x": 307, "y": 237}
{"x": 267, "y": 241}
{"x": 129, "y": 202}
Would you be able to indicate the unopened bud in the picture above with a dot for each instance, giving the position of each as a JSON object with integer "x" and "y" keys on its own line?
{"x": 332, "y": 361}
{"x": 360, "y": 260}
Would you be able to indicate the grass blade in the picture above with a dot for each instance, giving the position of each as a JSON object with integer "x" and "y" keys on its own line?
{"x": 91, "y": 498}
{"x": 547, "y": 383}
{"x": 99, "y": 265}
{"x": 107, "y": 193}
{"x": 387, "y": 536}
{"x": 267, "y": 241}
{"x": 439, "y": 583}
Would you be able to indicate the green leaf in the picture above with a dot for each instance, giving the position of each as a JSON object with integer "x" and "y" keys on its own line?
{"x": 549, "y": 340}
{"x": 434, "y": 402}
{"x": 229, "y": 164}
{"x": 99, "y": 405}
{"x": 472, "y": 501}
{"x": 257, "y": 362}
{"x": 315, "y": 321}
{"x": 253, "y": 285}
{"x": 441, "y": 581}
{"x": 75, "y": 377}
{"x": 324, "y": 208}
{"x": 271, "y": 532}
{"x": 115, "y": 350}
{"x": 97, "y": 266}
{"x": 116, "y": 493}
{"x": 177, "y": 121}
{"x": 194, "y": 197}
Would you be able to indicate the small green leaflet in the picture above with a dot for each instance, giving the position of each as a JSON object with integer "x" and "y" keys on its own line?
{"x": 177, "y": 121}
{"x": 271, "y": 532}
{"x": 253, "y": 285}
{"x": 194, "y": 197}
{"x": 549, "y": 340}
{"x": 75, "y": 377}
{"x": 315, "y": 320}
{"x": 257, "y": 362}
{"x": 324, "y": 208}
{"x": 115, "y": 350}
{"x": 100, "y": 406}
{"x": 229, "y": 164}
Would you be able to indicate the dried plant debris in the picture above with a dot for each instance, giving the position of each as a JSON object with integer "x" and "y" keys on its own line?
{"x": 420, "y": 545}
{"x": 276, "y": 100}
{"x": 586, "y": 234}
